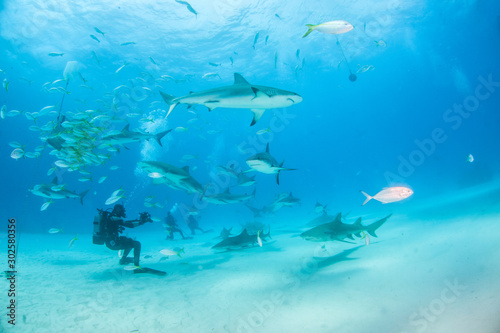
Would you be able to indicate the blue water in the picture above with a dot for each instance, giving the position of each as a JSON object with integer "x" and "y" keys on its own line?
{"x": 342, "y": 138}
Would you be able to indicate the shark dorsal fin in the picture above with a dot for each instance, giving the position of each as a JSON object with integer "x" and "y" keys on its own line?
{"x": 267, "y": 148}
{"x": 244, "y": 232}
{"x": 126, "y": 128}
{"x": 54, "y": 181}
{"x": 185, "y": 168}
{"x": 238, "y": 79}
{"x": 338, "y": 218}
{"x": 358, "y": 222}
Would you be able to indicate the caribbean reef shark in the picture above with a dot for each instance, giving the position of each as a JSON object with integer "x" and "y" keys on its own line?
{"x": 240, "y": 95}
{"x": 338, "y": 231}
{"x": 266, "y": 163}
{"x": 176, "y": 178}
{"x": 242, "y": 240}
{"x": 126, "y": 136}
{"x": 55, "y": 191}
{"x": 227, "y": 198}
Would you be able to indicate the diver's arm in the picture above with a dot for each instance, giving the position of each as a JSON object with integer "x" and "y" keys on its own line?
{"x": 132, "y": 223}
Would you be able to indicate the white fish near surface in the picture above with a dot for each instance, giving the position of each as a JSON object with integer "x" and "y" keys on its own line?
{"x": 470, "y": 158}
{"x": 240, "y": 95}
{"x": 390, "y": 194}
{"x": 55, "y": 230}
{"x": 17, "y": 153}
{"x": 333, "y": 27}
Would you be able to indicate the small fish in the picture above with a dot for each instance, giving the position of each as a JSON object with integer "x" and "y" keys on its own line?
{"x": 6, "y": 84}
{"x": 297, "y": 54}
{"x": 113, "y": 199}
{"x": 71, "y": 242}
{"x": 275, "y": 59}
{"x": 262, "y": 131}
{"x": 127, "y": 43}
{"x": 85, "y": 179}
{"x": 231, "y": 58}
{"x": 255, "y": 40}
{"x": 365, "y": 68}
{"x": 55, "y": 230}
{"x": 98, "y": 31}
{"x": 259, "y": 241}
{"x": 470, "y": 158}
{"x": 94, "y": 55}
{"x": 153, "y": 61}
{"x": 333, "y": 27}
{"x": 3, "y": 112}
{"x": 61, "y": 164}
{"x": 15, "y": 144}
{"x": 389, "y": 194}
{"x": 13, "y": 113}
{"x": 191, "y": 9}
{"x": 102, "y": 179}
{"x": 57, "y": 188}
{"x": 17, "y": 153}
{"x": 55, "y": 54}
{"x": 189, "y": 157}
{"x": 148, "y": 199}
{"x": 51, "y": 171}
{"x": 380, "y": 43}
{"x": 210, "y": 75}
{"x": 117, "y": 192}
{"x": 95, "y": 38}
{"x": 45, "y": 206}
{"x": 119, "y": 69}
{"x": 267, "y": 37}
{"x": 114, "y": 167}
{"x": 181, "y": 129}
{"x": 167, "y": 252}
{"x": 214, "y": 64}
{"x": 120, "y": 253}
{"x": 277, "y": 16}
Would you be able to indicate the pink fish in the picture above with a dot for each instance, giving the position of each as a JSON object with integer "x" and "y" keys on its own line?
{"x": 390, "y": 194}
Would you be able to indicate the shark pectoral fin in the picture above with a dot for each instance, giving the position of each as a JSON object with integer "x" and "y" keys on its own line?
{"x": 257, "y": 113}
{"x": 172, "y": 106}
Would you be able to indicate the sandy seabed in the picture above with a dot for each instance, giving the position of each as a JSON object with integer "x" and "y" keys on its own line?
{"x": 417, "y": 276}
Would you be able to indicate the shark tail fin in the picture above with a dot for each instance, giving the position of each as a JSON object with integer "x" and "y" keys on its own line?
{"x": 311, "y": 29}
{"x": 368, "y": 198}
{"x": 169, "y": 99}
{"x": 82, "y": 195}
{"x": 374, "y": 226}
{"x": 160, "y": 135}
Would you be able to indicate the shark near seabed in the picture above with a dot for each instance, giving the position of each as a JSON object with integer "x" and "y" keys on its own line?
{"x": 127, "y": 136}
{"x": 242, "y": 240}
{"x": 240, "y": 95}
{"x": 338, "y": 231}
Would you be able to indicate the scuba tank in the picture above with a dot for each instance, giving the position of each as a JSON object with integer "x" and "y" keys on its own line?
{"x": 99, "y": 234}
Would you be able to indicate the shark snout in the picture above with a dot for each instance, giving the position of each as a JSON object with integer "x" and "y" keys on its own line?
{"x": 296, "y": 98}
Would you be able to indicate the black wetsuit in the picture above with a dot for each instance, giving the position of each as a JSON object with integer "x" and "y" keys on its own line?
{"x": 114, "y": 226}
{"x": 172, "y": 227}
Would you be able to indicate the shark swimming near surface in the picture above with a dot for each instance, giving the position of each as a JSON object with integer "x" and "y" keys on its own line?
{"x": 338, "y": 231}
{"x": 127, "y": 136}
{"x": 240, "y": 95}
{"x": 266, "y": 163}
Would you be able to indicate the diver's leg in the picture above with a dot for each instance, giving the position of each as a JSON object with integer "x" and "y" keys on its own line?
{"x": 137, "y": 252}
{"x": 126, "y": 244}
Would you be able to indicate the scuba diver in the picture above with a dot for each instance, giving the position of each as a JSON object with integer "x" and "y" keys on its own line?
{"x": 171, "y": 224}
{"x": 107, "y": 229}
{"x": 192, "y": 224}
